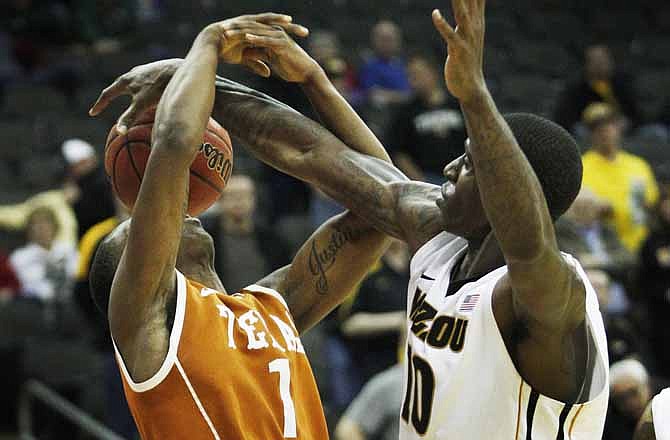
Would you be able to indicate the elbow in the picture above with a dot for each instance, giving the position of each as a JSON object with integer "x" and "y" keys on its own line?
{"x": 176, "y": 137}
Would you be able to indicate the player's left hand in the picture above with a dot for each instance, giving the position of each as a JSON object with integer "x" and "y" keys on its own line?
{"x": 463, "y": 71}
{"x": 282, "y": 54}
{"x": 144, "y": 84}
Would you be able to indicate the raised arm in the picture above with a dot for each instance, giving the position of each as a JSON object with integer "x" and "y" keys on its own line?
{"x": 145, "y": 278}
{"x": 510, "y": 191}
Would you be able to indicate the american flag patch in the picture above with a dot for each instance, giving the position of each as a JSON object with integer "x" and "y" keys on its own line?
{"x": 469, "y": 303}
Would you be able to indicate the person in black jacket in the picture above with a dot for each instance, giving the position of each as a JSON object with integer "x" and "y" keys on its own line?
{"x": 244, "y": 249}
{"x": 600, "y": 82}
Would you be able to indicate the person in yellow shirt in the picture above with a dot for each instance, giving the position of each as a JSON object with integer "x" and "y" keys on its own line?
{"x": 623, "y": 180}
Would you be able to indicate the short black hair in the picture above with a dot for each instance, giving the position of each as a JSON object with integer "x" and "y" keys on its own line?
{"x": 554, "y": 155}
{"x": 105, "y": 262}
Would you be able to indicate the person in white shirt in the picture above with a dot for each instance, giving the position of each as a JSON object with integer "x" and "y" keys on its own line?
{"x": 655, "y": 422}
{"x": 45, "y": 267}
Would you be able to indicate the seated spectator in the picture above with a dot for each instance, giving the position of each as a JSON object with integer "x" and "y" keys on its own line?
{"x": 630, "y": 392}
{"x": 606, "y": 163}
{"x": 45, "y": 267}
{"x": 245, "y": 250}
{"x": 324, "y": 47}
{"x": 365, "y": 341}
{"x": 654, "y": 279}
{"x": 375, "y": 412}
{"x": 582, "y": 233}
{"x": 623, "y": 337}
{"x": 383, "y": 77}
{"x": 599, "y": 83}
{"x": 9, "y": 283}
{"x": 429, "y": 130}
{"x": 92, "y": 198}
{"x": 14, "y": 217}
{"x": 655, "y": 423}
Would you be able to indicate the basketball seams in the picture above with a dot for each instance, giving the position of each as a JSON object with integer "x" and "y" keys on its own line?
{"x": 114, "y": 179}
{"x": 127, "y": 145}
{"x": 206, "y": 181}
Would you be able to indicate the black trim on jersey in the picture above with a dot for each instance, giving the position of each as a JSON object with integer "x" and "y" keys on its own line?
{"x": 426, "y": 277}
{"x": 530, "y": 413}
{"x": 456, "y": 285}
{"x": 561, "y": 420}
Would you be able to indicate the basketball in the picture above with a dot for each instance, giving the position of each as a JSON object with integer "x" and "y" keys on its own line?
{"x": 126, "y": 158}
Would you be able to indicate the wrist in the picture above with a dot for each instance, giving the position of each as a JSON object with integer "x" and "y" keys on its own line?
{"x": 479, "y": 93}
{"x": 210, "y": 36}
{"x": 315, "y": 77}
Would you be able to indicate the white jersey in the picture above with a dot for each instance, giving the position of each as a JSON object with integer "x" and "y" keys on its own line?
{"x": 460, "y": 381}
{"x": 660, "y": 415}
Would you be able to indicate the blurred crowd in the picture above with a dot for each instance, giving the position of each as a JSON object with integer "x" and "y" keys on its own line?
{"x": 53, "y": 214}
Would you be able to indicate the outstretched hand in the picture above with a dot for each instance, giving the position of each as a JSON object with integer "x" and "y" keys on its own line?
{"x": 145, "y": 83}
{"x": 463, "y": 70}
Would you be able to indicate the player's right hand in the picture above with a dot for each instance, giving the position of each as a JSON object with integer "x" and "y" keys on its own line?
{"x": 144, "y": 84}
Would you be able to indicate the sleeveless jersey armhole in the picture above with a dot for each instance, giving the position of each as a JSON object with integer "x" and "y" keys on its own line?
{"x": 660, "y": 415}
{"x": 173, "y": 348}
{"x": 255, "y": 288}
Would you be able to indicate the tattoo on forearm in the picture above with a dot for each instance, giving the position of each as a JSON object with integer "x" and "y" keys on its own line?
{"x": 323, "y": 258}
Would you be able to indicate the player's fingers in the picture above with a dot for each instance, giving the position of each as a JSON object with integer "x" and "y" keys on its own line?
{"x": 270, "y": 42}
{"x": 127, "y": 119}
{"x": 113, "y": 91}
{"x": 258, "y": 67}
{"x": 448, "y": 33}
{"x": 296, "y": 29}
{"x": 271, "y": 18}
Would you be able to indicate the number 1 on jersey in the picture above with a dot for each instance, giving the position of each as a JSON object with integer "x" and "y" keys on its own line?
{"x": 281, "y": 366}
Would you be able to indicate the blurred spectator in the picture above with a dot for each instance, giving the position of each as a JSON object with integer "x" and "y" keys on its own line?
{"x": 366, "y": 342}
{"x": 91, "y": 194}
{"x": 654, "y": 279}
{"x": 630, "y": 392}
{"x": 623, "y": 337}
{"x": 245, "y": 251}
{"x": 605, "y": 163}
{"x": 324, "y": 47}
{"x": 582, "y": 233}
{"x": 428, "y": 131}
{"x": 375, "y": 412}
{"x": 15, "y": 216}
{"x": 9, "y": 283}
{"x": 383, "y": 77}
{"x": 44, "y": 266}
{"x": 599, "y": 83}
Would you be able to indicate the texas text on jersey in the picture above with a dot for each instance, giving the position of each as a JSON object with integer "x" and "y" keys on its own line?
{"x": 235, "y": 368}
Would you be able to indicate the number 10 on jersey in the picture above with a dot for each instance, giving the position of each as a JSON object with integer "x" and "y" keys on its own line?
{"x": 418, "y": 403}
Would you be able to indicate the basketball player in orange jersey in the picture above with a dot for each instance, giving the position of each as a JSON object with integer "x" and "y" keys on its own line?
{"x": 505, "y": 335}
{"x": 195, "y": 361}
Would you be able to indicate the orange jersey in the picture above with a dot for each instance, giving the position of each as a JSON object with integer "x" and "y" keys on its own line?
{"x": 235, "y": 370}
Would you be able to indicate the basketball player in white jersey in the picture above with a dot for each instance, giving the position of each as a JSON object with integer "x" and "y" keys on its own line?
{"x": 505, "y": 339}
{"x": 655, "y": 422}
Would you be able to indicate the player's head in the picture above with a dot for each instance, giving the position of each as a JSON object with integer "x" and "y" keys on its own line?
{"x": 194, "y": 260}
{"x": 553, "y": 155}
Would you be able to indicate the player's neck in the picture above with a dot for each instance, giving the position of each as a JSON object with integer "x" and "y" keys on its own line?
{"x": 482, "y": 256}
{"x": 205, "y": 275}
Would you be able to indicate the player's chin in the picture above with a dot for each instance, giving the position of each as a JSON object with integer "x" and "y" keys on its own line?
{"x": 452, "y": 220}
